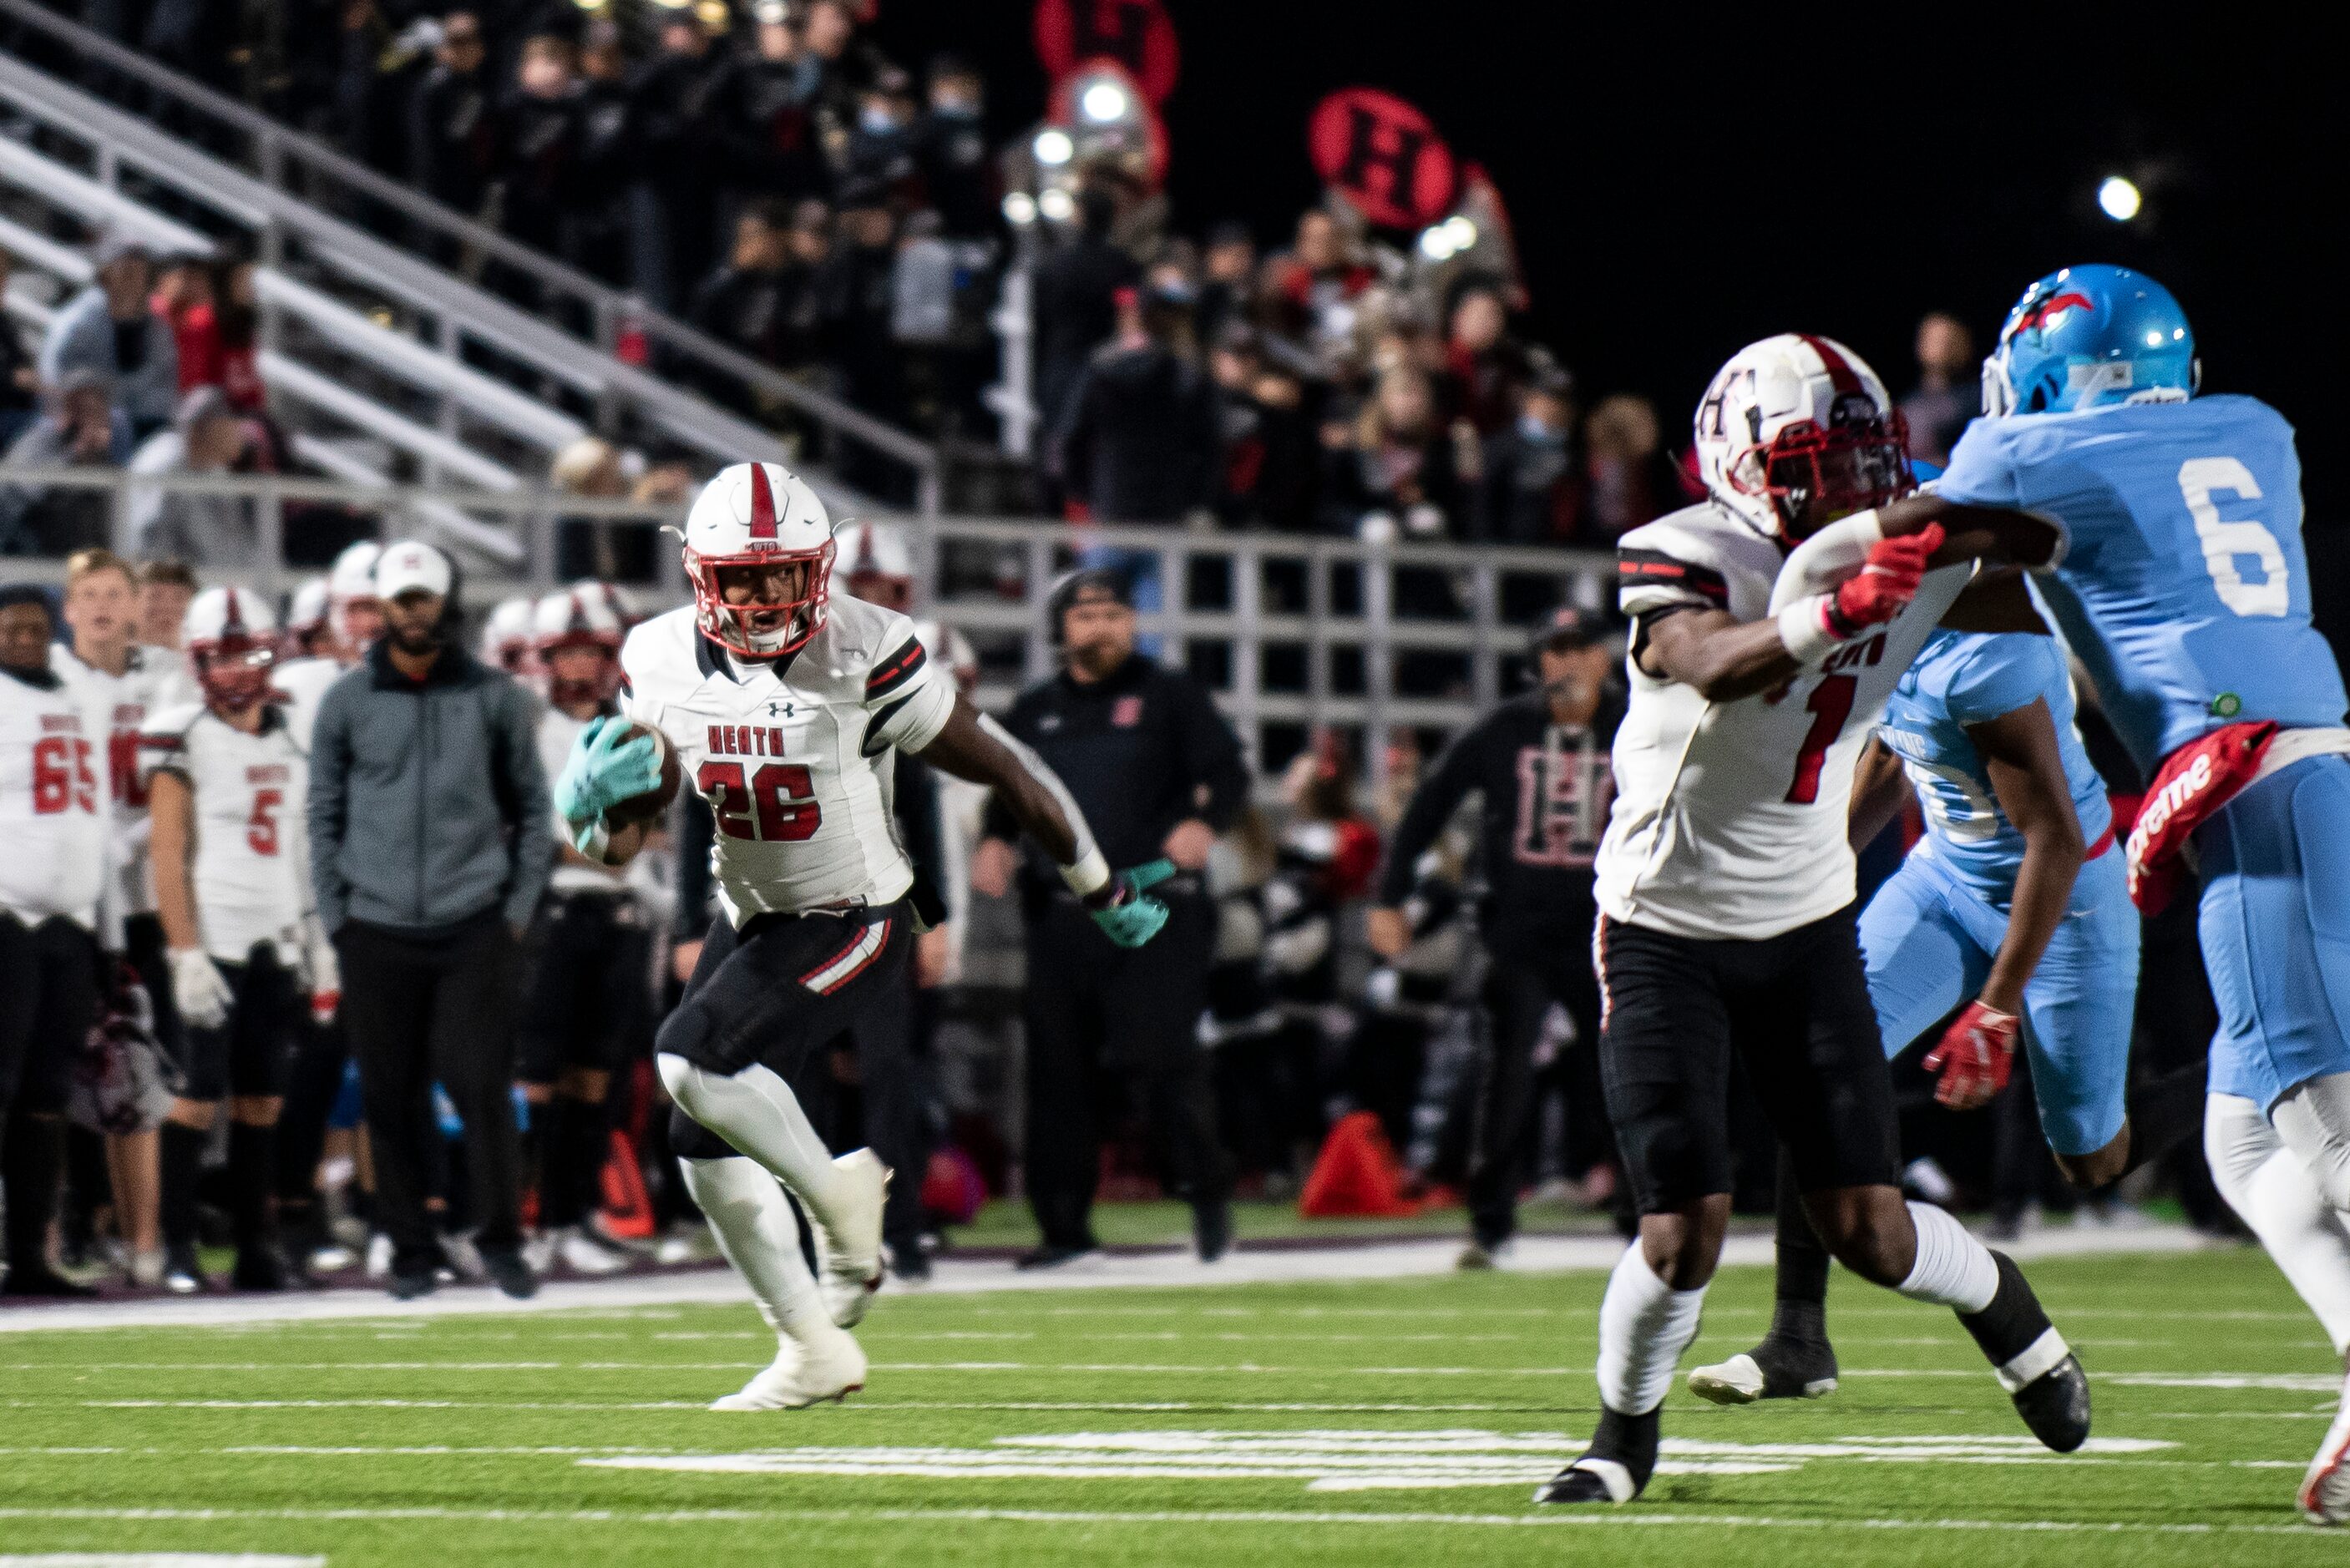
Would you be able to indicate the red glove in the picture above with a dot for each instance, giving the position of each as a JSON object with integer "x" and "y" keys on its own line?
{"x": 324, "y": 1005}
{"x": 1885, "y": 583}
{"x": 1974, "y": 1056}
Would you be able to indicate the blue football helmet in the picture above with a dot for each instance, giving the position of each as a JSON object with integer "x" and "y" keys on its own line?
{"x": 2087, "y": 335}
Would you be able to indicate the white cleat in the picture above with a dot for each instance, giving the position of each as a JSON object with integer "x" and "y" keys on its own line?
{"x": 850, "y": 1248}
{"x": 2326, "y": 1489}
{"x": 805, "y": 1373}
{"x": 582, "y": 1254}
{"x": 1741, "y": 1380}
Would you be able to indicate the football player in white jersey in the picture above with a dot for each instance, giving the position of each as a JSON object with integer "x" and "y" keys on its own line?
{"x": 305, "y": 621}
{"x": 165, "y": 589}
{"x": 53, "y": 825}
{"x": 1770, "y": 624}
{"x": 588, "y": 989}
{"x": 120, "y": 680}
{"x": 508, "y": 636}
{"x": 783, "y": 703}
{"x": 225, "y": 781}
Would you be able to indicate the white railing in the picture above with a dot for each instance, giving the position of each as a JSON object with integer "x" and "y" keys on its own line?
{"x": 1299, "y": 633}
{"x": 279, "y": 192}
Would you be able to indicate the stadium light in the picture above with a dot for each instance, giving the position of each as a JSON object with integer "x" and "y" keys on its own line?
{"x": 1054, "y": 148}
{"x": 1461, "y": 232}
{"x": 1057, "y": 205}
{"x": 1019, "y": 208}
{"x": 1436, "y": 243}
{"x": 2120, "y": 199}
{"x": 1103, "y": 103}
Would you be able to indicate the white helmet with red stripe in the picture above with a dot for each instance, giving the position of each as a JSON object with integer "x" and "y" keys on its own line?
{"x": 350, "y": 585}
{"x": 571, "y": 620}
{"x": 506, "y": 635}
{"x": 753, "y": 518}
{"x": 877, "y": 564}
{"x": 1796, "y": 431}
{"x": 615, "y": 598}
{"x": 305, "y": 617}
{"x": 230, "y": 643}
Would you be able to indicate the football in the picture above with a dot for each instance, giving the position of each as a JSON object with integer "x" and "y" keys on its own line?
{"x": 649, "y": 806}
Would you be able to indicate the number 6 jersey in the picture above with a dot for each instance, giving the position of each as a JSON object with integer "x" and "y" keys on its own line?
{"x": 1730, "y": 816}
{"x": 793, "y": 754}
{"x": 249, "y": 871}
{"x": 54, "y": 806}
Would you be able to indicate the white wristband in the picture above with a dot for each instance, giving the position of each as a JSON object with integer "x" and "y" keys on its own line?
{"x": 592, "y": 840}
{"x": 1828, "y": 556}
{"x": 1803, "y": 627}
{"x": 1089, "y": 875}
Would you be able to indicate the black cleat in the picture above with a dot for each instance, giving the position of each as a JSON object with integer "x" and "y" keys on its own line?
{"x": 183, "y": 1274}
{"x": 1778, "y": 1368}
{"x": 410, "y": 1283}
{"x": 2055, "y": 1404}
{"x": 40, "y": 1281}
{"x": 261, "y": 1267}
{"x": 509, "y": 1273}
{"x": 1615, "y": 1469}
{"x": 1212, "y": 1230}
{"x": 1052, "y": 1256}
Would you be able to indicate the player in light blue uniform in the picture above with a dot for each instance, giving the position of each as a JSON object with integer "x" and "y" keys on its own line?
{"x": 2013, "y": 906}
{"x": 2186, "y": 593}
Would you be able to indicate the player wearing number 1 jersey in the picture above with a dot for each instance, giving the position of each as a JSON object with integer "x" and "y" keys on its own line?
{"x": 2185, "y": 592}
{"x": 783, "y": 702}
{"x": 1726, "y": 883}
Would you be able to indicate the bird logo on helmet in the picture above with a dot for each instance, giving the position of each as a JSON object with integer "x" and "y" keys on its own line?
{"x": 230, "y": 640}
{"x": 750, "y": 520}
{"x": 571, "y": 620}
{"x": 1795, "y": 431}
{"x": 2085, "y": 336}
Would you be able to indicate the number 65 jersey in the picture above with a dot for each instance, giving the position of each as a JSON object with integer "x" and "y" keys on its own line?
{"x": 793, "y": 754}
{"x": 2183, "y": 587}
{"x": 1730, "y": 816}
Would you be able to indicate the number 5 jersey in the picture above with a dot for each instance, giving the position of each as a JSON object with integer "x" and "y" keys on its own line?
{"x": 54, "y": 809}
{"x": 793, "y": 754}
{"x": 249, "y": 873}
{"x": 1730, "y": 816}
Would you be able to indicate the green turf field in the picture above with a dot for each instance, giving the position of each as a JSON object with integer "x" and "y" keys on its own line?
{"x": 1395, "y": 1422}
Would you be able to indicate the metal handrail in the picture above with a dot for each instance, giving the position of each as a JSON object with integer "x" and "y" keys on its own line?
{"x": 1244, "y": 627}
{"x": 278, "y": 148}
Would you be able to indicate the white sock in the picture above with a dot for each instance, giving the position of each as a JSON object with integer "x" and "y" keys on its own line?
{"x": 1953, "y": 1268}
{"x": 761, "y": 1236}
{"x": 1644, "y": 1326}
{"x": 2273, "y": 1190}
{"x": 756, "y": 1112}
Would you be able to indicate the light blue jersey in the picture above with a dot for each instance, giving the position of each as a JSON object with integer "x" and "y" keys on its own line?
{"x": 2185, "y": 589}
{"x": 1972, "y": 678}
{"x": 1932, "y": 930}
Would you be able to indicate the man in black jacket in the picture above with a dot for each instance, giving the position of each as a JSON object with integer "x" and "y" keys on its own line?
{"x": 673, "y": 102}
{"x": 1541, "y": 763}
{"x": 453, "y": 139}
{"x": 1157, "y": 771}
{"x": 1077, "y": 288}
{"x": 1139, "y": 442}
{"x": 430, "y": 846}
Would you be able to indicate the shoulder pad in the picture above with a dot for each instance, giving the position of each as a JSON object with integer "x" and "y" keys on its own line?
{"x": 166, "y": 729}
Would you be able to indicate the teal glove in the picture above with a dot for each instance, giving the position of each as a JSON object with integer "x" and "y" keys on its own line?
{"x": 1129, "y": 915}
{"x": 607, "y": 766}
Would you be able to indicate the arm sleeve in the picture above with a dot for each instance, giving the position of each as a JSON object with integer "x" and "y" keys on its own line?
{"x": 1220, "y": 777}
{"x": 921, "y": 827}
{"x": 2003, "y": 674}
{"x": 329, "y": 807}
{"x": 697, "y": 835}
{"x": 1440, "y": 794}
{"x": 533, "y": 850}
{"x": 909, "y": 698}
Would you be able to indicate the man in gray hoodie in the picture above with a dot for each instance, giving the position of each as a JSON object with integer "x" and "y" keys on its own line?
{"x": 430, "y": 846}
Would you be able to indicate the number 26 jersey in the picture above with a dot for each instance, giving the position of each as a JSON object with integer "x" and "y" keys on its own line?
{"x": 1730, "y": 816}
{"x": 794, "y": 754}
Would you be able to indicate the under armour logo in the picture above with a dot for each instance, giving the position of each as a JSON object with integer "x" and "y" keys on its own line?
{"x": 782, "y": 710}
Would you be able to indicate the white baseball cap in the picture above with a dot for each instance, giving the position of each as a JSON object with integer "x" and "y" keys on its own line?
{"x": 410, "y": 565}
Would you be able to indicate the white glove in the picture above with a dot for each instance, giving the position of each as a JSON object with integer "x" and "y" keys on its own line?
{"x": 204, "y": 997}
{"x": 325, "y": 975}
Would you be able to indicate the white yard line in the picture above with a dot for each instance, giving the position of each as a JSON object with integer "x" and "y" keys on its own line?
{"x": 1379, "y": 1261}
{"x": 1607, "y": 1519}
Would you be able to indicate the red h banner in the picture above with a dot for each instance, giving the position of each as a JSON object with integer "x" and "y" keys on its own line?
{"x": 1137, "y": 35}
{"x": 1385, "y": 156}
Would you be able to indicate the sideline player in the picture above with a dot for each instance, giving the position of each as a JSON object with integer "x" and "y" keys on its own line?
{"x": 782, "y": 704}
{"x": 588, "y": 958}
{"x": 2185, "y": 592}
{"x": 225, "y": 781}
{"x": 1726, "y": 880}
{"x": 2013, "y": 906}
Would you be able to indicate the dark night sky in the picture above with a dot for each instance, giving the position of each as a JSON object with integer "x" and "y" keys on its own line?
{"x": 1680, "y": 192}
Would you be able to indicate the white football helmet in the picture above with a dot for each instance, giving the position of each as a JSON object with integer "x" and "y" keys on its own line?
{"x": 305, "y": 616}
{"x": 877, "y": 564}
{"x": 507, "y": 635}
{"x": 759, "y": 514}
{"x": 230, "y": 643}
{"x": 350, "y": 585}
{"x": 574, "y": 618}
{"x": 1796, "y": 431}
{"x": 952, "y": 650}
{"x": 614, "y": 597}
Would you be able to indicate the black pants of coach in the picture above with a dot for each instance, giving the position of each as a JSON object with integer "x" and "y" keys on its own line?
{"x": 48, "y": 998}
{"x": 1092, "y": 1006}
{"x": 421, "y": 1009}
{"x": 1520, "y": 990}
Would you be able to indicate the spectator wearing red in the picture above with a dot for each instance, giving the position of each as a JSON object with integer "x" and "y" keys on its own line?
{"x": 183, "y": 284}
{"x": 1484, "y": 368}
{"x": 1319, "y": 272}
{"x": 766, "y": 129}
{"x": 217, "y": 337}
